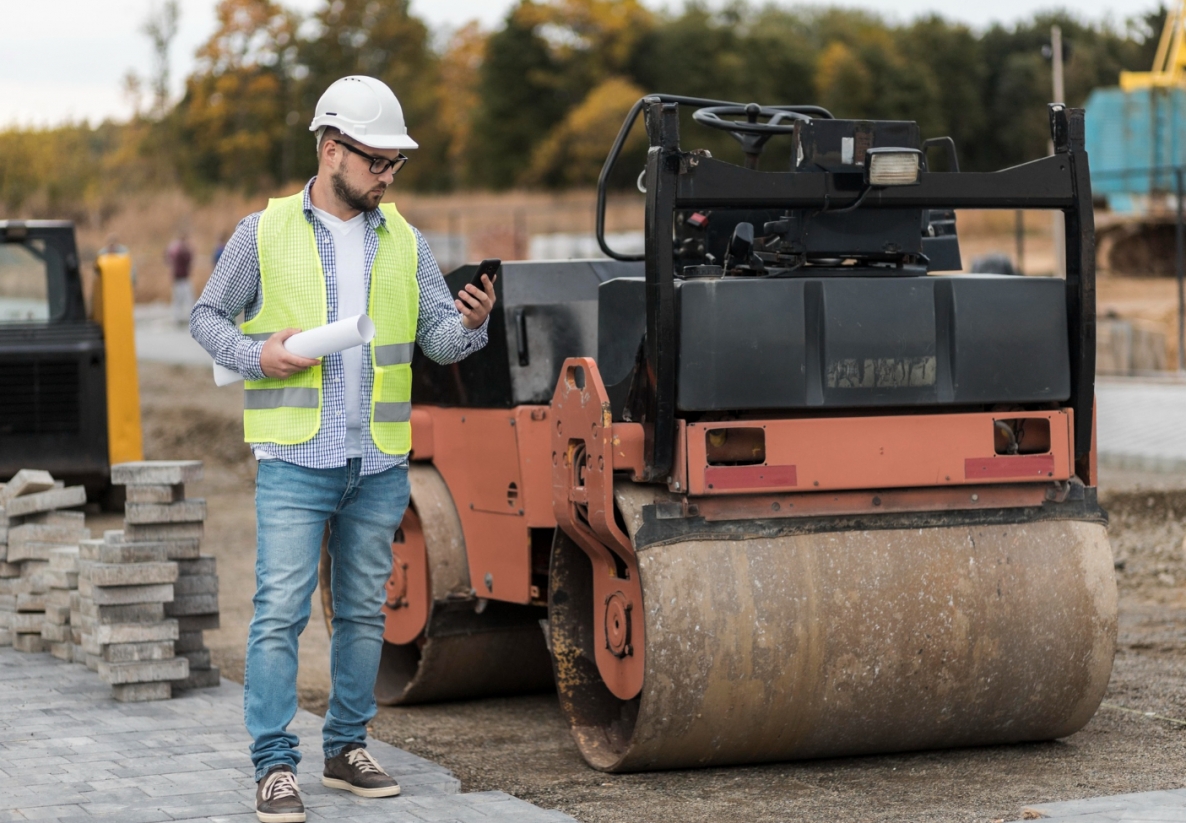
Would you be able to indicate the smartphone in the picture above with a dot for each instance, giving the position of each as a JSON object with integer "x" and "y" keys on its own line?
{"x": 488, "y": 267}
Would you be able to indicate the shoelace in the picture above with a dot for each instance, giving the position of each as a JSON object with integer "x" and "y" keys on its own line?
{"x": 361, "y": 759}
{"x": 279, "y": 784}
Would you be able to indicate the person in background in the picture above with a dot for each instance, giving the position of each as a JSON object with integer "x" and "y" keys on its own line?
{"x": 180, "y": 258}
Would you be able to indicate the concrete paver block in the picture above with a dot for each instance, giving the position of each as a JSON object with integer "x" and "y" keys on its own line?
{"x": 32, "y": 550}
{"x": 26, "y": 481}
{"x": 65, "y": 559}
{"x": 141, "y": 692}
{"x": 157, "y": 532}
{"x": 183, "y": 511}
{"x": 195, "y": 584}
{"x": 55, "y": 517}
{"x": 130, "y": 613}
{"x": 161, "y": 493}
{"x": 128, "y": 574}
{"x": 199, "y": 659}
{"x": 103, "y": 551}
{"x": 57, "y": 615}
{"x": 27, "y": 623}
{"x": 44, "y": 501}
{"x": 30, "y": 603}
{"x": 54, "y": 633}
{"x": 123, "y": 595}
{"x": 192, "y": 604}
{"x": 206, "y": 564}
{"x": 198, "y": 622}
{"x": 144, "y": 671}
{"x": 189, "y": 642}
{"x": 61, "y": 580}
{"x": 156, "y": 472}
{"x": 28, "y": 643}
{"x": 136, "y": 652}
{"x": 136, "y": 632}
{"x": 46, "y": 533}
{"x": 199, "y": 679}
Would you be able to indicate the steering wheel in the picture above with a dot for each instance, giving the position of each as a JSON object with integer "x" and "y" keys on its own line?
{"x": 751, "y": 134}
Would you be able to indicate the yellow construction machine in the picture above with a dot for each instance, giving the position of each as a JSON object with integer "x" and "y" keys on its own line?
{"x": 69, "y": 390}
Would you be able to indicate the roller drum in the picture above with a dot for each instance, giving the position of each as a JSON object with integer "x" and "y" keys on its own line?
{"x": 844, "y": 643}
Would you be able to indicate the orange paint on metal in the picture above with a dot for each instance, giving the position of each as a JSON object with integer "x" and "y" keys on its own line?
{"x": 1011, "y": 466}
{"x": 407, "y": 596}
{"x": 903, "y": 451}
{"x": 882, "y": 501}
{"x": 533, "y": 429}
{"x": 477, "y": 453}
{"x": 730, "y": 478}
{"x": 422, "y": 434}
{"x": 583, "y": 504}
{"x": 629, "y": 440}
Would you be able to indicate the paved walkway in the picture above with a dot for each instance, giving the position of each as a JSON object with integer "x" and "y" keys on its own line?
{"x": 1142, "y": 425}
{"x": 69, "y": 752}
{"x": 1143, "y": 807}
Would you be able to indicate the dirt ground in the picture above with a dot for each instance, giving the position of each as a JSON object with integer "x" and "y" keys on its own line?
{"x": 1136, "y": 742}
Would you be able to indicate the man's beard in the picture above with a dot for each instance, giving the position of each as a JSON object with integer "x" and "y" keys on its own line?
{"x": 357, "y": 200}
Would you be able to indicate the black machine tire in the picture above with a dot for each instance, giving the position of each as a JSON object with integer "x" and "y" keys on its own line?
{"x": 469, "y": 648}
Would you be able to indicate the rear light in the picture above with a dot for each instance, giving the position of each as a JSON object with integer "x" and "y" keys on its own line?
{"x": 893, "y": 167}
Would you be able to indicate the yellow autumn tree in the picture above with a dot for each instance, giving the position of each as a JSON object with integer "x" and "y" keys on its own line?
{"x": 574, "y": 151}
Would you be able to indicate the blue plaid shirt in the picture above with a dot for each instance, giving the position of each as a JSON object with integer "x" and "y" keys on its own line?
{"x": 234, "y": 287}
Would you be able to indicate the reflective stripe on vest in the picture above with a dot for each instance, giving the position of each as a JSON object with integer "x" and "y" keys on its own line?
{"x": 292, "y": 284}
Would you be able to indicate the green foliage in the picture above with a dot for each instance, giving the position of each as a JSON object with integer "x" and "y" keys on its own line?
{"x": 538, "y": 101}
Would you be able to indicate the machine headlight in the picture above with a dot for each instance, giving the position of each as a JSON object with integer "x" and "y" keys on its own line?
{"x": 893, "y": 167}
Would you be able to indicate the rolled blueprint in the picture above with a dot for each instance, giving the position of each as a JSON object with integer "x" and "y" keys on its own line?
{"x": 318, "y": 342}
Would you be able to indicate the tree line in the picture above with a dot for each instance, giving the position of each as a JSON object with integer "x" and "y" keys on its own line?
{"x": 537, "y": 101}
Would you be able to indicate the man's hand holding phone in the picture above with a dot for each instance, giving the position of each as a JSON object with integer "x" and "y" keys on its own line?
{"x": 476, "y": 300}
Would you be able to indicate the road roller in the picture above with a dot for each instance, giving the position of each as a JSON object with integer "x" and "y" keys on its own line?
{"x": 786, "y": 485}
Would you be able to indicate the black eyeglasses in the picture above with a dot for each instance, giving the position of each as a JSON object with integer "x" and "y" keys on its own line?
{"x": 379, "y": 165}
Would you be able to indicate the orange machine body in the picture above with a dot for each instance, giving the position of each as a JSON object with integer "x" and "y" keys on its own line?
{"x": 498, "y": 464}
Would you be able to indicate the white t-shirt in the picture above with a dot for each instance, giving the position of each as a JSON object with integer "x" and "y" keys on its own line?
{"x": 350, "y": 260}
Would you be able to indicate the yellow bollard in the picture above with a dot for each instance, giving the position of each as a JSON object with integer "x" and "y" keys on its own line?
{"x": 113, "y": 311}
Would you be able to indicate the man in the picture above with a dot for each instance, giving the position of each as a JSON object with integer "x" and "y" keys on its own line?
{"x": 332, "y": 436}
{"x": 180, "y": 258}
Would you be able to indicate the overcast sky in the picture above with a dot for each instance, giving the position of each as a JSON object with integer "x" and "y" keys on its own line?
{"x": 65, "y": 59}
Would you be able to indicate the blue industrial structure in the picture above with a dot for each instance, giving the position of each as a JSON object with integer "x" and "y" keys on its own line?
{"x": 1135, "y": 140}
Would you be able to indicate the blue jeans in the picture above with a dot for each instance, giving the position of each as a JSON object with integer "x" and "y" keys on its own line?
{"x": 292, "y": 506}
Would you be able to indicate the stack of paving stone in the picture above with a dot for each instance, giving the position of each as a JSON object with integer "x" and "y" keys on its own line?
{"x": 125, "y": 636}
{"x": 62, "y": 579}
{"x": 157, "y": 513}
{"x": 34, "y": 524}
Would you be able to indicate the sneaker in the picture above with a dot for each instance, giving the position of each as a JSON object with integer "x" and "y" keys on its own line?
{"x": 356, "y": 771}
{"x": 278, "y": 798}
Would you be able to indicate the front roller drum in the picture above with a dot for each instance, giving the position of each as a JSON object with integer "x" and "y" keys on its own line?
{"x": 439, "y": 641}
{"x": 841, "y": 643}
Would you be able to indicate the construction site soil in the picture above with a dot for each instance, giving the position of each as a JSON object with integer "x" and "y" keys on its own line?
{"x": 1136, "y": 742}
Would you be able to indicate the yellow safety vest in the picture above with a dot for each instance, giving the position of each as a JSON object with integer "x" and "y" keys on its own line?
{"x": 288, "y": 411}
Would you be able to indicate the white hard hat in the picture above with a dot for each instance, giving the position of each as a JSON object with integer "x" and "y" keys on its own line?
{"x": 366, "y": 109}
